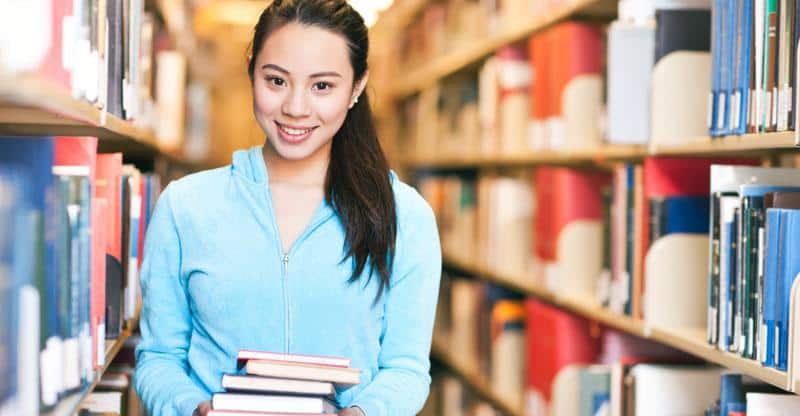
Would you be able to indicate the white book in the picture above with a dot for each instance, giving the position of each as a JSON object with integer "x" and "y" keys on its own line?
{"x": 272, "y": 403}
{"x": 277, "y": 385}
{"x": 763, "y": 404}
{"x": 657, "y": 386}
{"x": 277, "y": 369}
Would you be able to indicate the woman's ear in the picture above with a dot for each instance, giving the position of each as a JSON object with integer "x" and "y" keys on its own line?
{"x": 359, "y": 88}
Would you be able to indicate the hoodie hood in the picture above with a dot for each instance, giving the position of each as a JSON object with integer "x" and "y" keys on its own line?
{"x": 249, "y": 164}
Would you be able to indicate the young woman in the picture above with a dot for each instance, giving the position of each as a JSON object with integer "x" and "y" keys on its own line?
{"x": 307, "y": 244}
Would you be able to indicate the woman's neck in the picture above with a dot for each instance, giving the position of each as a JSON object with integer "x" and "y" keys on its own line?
{"x": 310, "y": 171}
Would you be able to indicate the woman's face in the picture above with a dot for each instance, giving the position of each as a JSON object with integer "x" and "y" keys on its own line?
{"x": 302, "y": 89}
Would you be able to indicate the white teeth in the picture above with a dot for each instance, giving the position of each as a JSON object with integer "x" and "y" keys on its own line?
{"x": 294, "y": 132}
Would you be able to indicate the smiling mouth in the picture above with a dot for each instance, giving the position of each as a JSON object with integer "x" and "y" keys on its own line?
{"x": 294, "y": 131}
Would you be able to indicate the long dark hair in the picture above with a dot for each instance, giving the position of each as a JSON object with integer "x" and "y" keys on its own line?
{"x": 357, "y": 184}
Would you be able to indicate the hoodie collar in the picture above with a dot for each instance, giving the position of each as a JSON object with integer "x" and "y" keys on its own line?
{"x": 249, "y": 164}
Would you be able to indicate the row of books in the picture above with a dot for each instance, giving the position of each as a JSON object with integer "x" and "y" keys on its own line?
{"x": 114, "y": 55}
{"x": 754, "y": 67}
{"x": 558, "y": 363}
{"x": 483, "y": 326}
{"x": 452, "y": 24}
{"x": 755, "y": 226}
{"x": 646, "y": 235}
{"x": 101, "y": 51}
{"x": 547, "y": 92}
{"x": 71, "y": 232}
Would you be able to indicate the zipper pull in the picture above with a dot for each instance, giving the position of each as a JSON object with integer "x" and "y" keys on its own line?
{"x": 285, "y": 259}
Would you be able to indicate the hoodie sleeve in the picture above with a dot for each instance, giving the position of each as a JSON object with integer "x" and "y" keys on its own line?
{"x": 403, "y": 381}
{"x": 162, "y": 372}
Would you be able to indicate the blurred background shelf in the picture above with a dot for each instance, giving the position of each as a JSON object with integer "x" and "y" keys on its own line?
{"x": 458, "y": 59}
{"x": 748, "y": 145}
{"x": 691, "y": 341}
{"x": 474, "y": 381}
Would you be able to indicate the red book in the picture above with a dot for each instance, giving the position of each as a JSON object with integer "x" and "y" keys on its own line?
{"x": 682, "y": 176}
{"x": 77, "y": 151}
{"x": 142, "y": 219}
{"x": 574, "y": 49}
{"x": 560, "y": 339}
{"x": 52, "y": 67}
{"x": 564, "y": 195}
{"x": 108, "y": 185}
{"x": 245, "y": 355}
{"x": 98, "y": 306}
{"x": 537, "y": 53}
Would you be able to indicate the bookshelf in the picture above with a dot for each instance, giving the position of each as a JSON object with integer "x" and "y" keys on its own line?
{"x": 30, "y": 106}
{"x": 474, "y": 382}
{"x": 691, "y": 341}
{"x": 751, "y": 144}
{"x": 473, "y": 52}
{"x": 69, "y": 406}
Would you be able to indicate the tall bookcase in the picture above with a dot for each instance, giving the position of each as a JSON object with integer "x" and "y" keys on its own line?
{"x": 416, "y": 80}
{"x": 32, "y": 106}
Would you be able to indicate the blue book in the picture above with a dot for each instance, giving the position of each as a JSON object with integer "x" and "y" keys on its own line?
{"x": 11, "y": 209}
{"x": 788, "y": 269}
{"x": 751, "y": 283}
{"x": 731, "y": 391}
{"x": 726, "y": 71}
{"x": 34, "y": 242}
{"x": 774, "y": 242}
{"x": 679, "y": 214}
{"x": 715, "y": 112}
{"x": 728, "y": 280}
{"x": 744, "y": 43}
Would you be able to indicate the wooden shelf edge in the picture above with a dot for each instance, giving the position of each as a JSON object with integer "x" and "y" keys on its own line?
{"x": 70, "y": 404}
{"x": 475, "y": 382}
{"x": 463, "y": 57}
{"x": 43, "y": 108}
{"x": 689, "y": 341}
{"x": 702, "y": 146}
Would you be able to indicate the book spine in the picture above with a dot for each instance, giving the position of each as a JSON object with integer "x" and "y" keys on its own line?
{"x": 712, "y": 325}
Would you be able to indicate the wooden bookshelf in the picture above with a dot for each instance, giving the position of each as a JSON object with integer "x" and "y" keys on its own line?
{"x": 30, "y": 106}
{"x": 69, "y": 405}
{"x": 751, "y": 144}
{"x": 475, "y": 51}
{"x": 473, "y": 381}
{"x": 691, "y": 341}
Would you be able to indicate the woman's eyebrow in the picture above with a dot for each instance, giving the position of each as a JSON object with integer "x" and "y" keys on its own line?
{"x": 316, "y": 75}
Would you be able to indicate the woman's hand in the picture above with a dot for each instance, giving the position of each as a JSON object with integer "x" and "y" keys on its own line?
{"x": 351, "y": 411}
{"x": 202, "y": 409}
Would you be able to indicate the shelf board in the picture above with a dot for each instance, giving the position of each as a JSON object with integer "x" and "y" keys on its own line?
{"x": 574, "y": 157}
{"x": 760, "y": 142}
{"x": 69, "y": 405}
{"x": 691, "y": 341}
{"x": 475, "y": 51}
{"x": 751, "y": 144}
{"x": 475, "y": 382}
{"x": 30, "y": 106}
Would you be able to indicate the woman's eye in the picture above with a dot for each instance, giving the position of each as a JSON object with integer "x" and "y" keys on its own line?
{"x": 322, "y": 86}
{"x": 278, "y": 82}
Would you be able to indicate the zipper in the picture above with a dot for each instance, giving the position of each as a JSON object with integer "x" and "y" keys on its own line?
{"x": 284, "y": 256}
{"x": 286, "y": 311}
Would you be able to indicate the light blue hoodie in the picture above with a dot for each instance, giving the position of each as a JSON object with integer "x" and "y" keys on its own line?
{"x": 215, "y": 281}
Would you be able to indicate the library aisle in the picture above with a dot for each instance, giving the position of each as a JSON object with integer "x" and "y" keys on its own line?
{"x": 616, "y": 185}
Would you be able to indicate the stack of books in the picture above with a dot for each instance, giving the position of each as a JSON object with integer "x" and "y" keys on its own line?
{"x": 281, "y": 384}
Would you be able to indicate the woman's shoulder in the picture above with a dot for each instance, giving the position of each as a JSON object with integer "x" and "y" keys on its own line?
{"x": 199, "y": 186}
